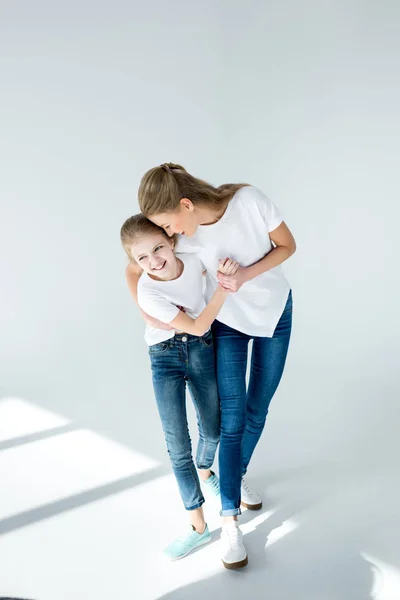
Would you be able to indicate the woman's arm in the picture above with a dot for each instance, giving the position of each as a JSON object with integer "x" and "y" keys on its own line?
{"x": 132, "y": 274}
{"x": 285, "y": 246}
{"x": 202, "y": 323}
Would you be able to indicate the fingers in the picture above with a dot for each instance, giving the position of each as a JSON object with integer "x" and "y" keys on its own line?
{"x": 226, "y": 289}
{"x": 228, "y": 266}
{"x": 232, "y": 267}
{"x": 227, "y": 283}
{"x": 221, "y": 264}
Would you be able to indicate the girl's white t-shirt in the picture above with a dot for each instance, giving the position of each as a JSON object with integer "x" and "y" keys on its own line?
{"x": 163, "y": 300}
{"x": 242, "y": 233}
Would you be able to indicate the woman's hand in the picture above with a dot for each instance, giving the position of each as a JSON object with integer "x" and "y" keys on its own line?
{"x": 233, "y": 283}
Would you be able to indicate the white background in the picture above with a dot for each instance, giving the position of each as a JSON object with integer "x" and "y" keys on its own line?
{"x": 298, "y": 98}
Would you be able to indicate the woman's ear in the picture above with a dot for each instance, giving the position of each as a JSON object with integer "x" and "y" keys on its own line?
{"x": 187, "y": 204}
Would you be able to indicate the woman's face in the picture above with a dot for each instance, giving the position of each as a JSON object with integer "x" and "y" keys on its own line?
{"x": 183, "y": 221}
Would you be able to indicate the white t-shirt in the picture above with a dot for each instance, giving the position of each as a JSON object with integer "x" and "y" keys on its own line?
{"x": 243, "y": 234}
{"x": 163, "y": 300}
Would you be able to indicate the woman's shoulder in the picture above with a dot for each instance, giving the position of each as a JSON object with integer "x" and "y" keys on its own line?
{"x": 252, "y": 196}
{"x": 249, "y": 192}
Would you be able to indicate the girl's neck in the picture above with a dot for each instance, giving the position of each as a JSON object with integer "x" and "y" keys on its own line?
{"x": 179, "y": 269}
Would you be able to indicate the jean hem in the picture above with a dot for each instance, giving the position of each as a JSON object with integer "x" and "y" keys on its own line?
{"x": 230, "y": 512}
{"x": 204, "y": 466}
{"x": 194, "y": 506}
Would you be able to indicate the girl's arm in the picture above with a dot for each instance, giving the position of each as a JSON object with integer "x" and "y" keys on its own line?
{"x": 132, "y": 274}
{"x": 202, "y": 323}
{"x": 285, "y": 246}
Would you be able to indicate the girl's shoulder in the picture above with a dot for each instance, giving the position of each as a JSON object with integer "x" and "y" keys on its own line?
{"x": 187, "y": 245}
{"x": 191, "y": 260}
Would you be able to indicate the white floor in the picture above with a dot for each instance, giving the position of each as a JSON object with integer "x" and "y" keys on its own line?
{"x": 82, "y": 516}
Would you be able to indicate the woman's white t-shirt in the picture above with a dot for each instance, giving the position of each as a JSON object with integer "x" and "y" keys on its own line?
{"x": 242, "y": 233}
{"x": 163, "y": 300}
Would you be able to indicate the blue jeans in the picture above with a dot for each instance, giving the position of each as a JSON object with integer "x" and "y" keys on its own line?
{"x": 243, "y": 412}
{"x": 187, "y": 358}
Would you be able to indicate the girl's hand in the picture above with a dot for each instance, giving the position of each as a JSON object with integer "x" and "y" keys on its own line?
{"x": 227, "y": 266}
{"x": 232, "y": 283}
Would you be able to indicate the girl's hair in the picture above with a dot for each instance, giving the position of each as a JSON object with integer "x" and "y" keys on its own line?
{"x": 163, "y": 187}
{"x": 136, "y": 227}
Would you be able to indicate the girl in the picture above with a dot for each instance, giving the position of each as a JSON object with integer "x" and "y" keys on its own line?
{"x": 241, "y": 222}
{"x": 170, "y": 292}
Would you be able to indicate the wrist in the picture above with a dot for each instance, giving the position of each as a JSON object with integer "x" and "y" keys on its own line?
{"x": 248, "y": 274}
{"x": 220, "y": 292}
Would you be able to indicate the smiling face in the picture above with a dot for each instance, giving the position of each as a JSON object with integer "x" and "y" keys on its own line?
{"x": 183, "y": 220}
{"x": 155, "y": 255}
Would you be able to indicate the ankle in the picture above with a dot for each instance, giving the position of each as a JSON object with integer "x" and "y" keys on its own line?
{"x": 228, "y": 520}
{"x": 205, "y": 474}
{"x": 199, "y": 527}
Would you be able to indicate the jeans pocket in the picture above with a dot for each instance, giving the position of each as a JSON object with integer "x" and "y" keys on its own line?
{"x": 207, "y": 339}
{"x": 158, "y": 348}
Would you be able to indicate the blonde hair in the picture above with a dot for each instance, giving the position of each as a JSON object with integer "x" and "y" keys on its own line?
{"x": 163, "y": 187}
{"x": 136, "y": 227}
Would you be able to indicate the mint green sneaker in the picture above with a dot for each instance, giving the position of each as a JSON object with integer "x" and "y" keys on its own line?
{"x": 182, "y": 546}
{"x": 212, "y": 485}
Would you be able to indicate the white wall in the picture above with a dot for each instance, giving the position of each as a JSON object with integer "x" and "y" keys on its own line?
{"x": 299, "y": 98}
{"x": 314, "y": 121}
{"x": 91, "y": 98}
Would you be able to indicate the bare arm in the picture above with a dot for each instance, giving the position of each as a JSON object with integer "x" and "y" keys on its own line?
{"x": 285, "y": 246}
{"x": 132, "y": 274}
{"x": 200, "y": 325}
{"x": 203, "y": 322}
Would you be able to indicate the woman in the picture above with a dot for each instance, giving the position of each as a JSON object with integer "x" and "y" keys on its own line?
{"x": 238, "y": 221}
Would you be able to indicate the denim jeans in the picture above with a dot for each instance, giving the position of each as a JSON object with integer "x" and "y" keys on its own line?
{"x": 243, "y": 411}
{"x": 187, "y": 359}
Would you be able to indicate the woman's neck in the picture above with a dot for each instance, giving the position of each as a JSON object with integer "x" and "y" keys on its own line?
{"x": 209, "y": 216}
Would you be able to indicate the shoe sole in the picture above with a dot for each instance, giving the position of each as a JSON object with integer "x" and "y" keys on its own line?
{"x": 236, "y": 565}
{"x": 202, "y": 543}
{"x": 251, "y": 506}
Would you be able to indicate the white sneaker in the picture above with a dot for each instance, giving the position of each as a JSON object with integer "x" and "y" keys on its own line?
{"x": 249, "y": 499}
{"x": 234, "y": 555}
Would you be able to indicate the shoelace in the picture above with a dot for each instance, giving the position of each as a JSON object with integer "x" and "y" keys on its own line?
{"x": 214, "y": 484}
{"x": 247, "y": 489}
{"x": 233, "y": 535}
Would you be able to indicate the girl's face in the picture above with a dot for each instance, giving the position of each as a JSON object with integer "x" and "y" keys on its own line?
{"x": 183, "y": 221}
{"x": 154, "y": 254}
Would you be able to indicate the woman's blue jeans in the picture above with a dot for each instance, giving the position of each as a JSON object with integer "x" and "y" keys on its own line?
{"x": 243, "y": 411}
{"x": 187, "y": 359}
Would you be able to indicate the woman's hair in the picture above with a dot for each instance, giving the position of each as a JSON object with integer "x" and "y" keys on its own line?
{"x": 163, "y": 187}
{"x": 136, "y": 227}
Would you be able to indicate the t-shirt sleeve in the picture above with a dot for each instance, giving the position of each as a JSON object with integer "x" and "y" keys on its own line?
{"x": 157, "y": 306}
{"x": 269, "y": 211}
